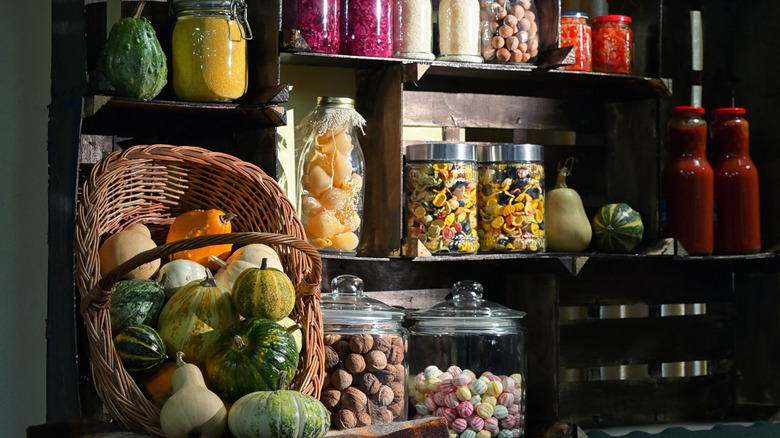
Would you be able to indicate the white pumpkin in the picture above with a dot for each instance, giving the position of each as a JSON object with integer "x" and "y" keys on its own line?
{"x": 249, "y": 256}
{"x": 175, "y": 274}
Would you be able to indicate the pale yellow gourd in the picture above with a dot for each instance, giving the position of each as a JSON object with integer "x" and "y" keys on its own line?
{"x": 122, "y": 246}
{"x": 249, "y": 256}
{"x": 567, "y": 227}
{"x": 193, "y": 410}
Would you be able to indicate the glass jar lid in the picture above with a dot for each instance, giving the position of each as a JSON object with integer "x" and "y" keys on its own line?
{"x": 508, "y": 152}
{"x": 441, "y": 151}
{"x": 343, "y": 102}
{"x": 467, "y": 312}
{"x": 347, "y": 305}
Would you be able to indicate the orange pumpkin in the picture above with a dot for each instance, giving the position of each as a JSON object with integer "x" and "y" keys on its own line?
{"x": 157, "y": 385}
{"x": 199, "y": 223}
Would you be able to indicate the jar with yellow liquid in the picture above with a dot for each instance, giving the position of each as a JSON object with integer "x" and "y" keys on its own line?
{"x": 331, "y": 169}
{"x": 209, "y": 53}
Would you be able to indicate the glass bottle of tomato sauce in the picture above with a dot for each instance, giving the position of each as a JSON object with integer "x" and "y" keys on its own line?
{"x": 687, "y": 184}
{"x": 737, "y": 224}
{"x": 613, "y": 44}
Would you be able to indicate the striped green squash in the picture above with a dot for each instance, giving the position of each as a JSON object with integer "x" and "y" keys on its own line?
{"x": 264, "y": 292}
{"x": 250, "y": 356}
{"x": 617, "y": 228}
{"x": 277, "y": 414}
{"x": 140, "y": 348}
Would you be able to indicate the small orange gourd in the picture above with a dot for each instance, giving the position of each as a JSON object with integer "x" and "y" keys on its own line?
{"x": 199, "y": 223}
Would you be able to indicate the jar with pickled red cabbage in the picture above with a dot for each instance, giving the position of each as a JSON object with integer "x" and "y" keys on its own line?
{"x": 331, "y": 172}
{"x": 209, "y": 57}
{"x": 317, "y": 22}
{"x": 367, "y": 28}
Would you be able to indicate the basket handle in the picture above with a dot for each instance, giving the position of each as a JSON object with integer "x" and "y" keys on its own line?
{"x": 100, "y": 294}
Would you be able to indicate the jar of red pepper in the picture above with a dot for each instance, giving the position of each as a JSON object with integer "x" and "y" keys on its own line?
{"x": 613, "y": 44}
{"x": 317, "y": 21}
{"x": 687, "y": 186}
{"x": 737, "y": 216}
{"x": 575, "y": 31}
{"x": 367, "y": 28}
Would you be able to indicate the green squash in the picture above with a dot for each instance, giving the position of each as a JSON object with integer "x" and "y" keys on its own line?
{"x": 250, "y": 356}
{"x": 135, "y": 302}
{"x": 140, "y": 348}
{"x": 277, "y": 414}
{"x": 617, "y": 228}
{"x": 264, "y": 292}
{"x": 133, "y": 60}
{"x": 194, "y": 318}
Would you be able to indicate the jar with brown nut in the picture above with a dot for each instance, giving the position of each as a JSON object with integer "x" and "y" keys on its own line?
{"x": 365, "y": 357}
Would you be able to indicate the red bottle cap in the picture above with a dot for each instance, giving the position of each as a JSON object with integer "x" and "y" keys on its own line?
{"x": 678, "y": 110}
{"x": 727, "y": 111}
{"x": 625, "y": 18}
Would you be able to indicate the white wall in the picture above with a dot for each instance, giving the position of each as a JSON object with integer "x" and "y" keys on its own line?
{"x": 25, "y": 59}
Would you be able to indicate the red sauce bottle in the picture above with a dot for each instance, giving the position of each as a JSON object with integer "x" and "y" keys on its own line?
{"x": 737, "y": 219}
{"x": 687, "y": 185}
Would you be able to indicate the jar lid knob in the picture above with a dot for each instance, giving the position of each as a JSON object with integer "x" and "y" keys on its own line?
{"x": 467, "y": 293}
{"x": 347, "y": 285}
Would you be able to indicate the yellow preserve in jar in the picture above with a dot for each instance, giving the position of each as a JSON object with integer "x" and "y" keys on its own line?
{"x": 209, "y": 50}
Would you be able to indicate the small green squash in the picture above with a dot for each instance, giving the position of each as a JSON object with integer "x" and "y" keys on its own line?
{"x": 135, "y": 302}
{"x": 278, "y": 414}
{"x": 133, "y": 60}
{"x": 250, "y": 356}
{"x": 140, "y": 348}
{"x": 176, "y": 274}
{"x": 618, "y": 228}
{"x": 264, "y": 292}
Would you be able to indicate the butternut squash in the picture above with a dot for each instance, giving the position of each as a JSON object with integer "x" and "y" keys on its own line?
{"x": 123, "y": 245}
{"x": 567, "y": 227}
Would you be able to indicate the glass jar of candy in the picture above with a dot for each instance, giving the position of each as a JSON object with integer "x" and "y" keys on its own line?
{"x": 613, "y": 44}
{"x": 510, "y": 31}
{"x": 738, "y": 223}
{"x": 467, "y": 357}
{"x": 209, "y": 58}
{"x": 510, "y": 198}
{"x": 331, "y": 172}
{"x": 317, "y": 22}
{"x": 441, "y": 197}
{"x": 459, "y": 31}
{"x": 413, "y": 29}
{"x": 366, "y": 350}
{"x": 576, "y": 32}
{"x": 367, "y": 28}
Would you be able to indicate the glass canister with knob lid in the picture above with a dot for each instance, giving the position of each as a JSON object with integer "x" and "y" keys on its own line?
{"x": 467, "y": 361}
{"x": 365, "y": 357}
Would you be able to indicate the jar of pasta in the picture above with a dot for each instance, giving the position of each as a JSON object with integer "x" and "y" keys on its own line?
{"x": 331, "y": 172}
{"x": 441, "y": 197}
{"x": 510, "y": 31}
{"x": 511, "y": 198}
{"x": 209, "y": 54}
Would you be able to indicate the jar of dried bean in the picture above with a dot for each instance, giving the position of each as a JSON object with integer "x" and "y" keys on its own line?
{"x": 467, "y": 357}
{"x": 413, "y": 29}
{"x": 613, "y": 44}
{"x": 576, "y": 32}
{"x": 441, "y": 197}
{"x": 510, "y": 31}
{"x": 365, "y": 357}
{"x": 367, "y": 28}
{"x": 209, "y": 58}
{"x": 511, "y": 198}
{"x": 331, "y": 172}
{"x": 459, "y": 31}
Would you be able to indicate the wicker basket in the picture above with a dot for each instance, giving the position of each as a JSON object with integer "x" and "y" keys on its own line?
{"x": 152, "y": 185}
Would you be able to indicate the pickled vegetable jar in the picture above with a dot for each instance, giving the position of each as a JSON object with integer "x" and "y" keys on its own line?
{"x": 511, "y": 198}
{"x": 613, "y": 44}
{"x": 209, "y": 50}
{"x": 317, "y": 21}
{"x": 687, "y": 185}
{"x": 459, "y": 31}
{"x": 366, "y": 350}
{"x": 413, "y": 29}
{"x": 441, "y": 197}
{"x": 576, "y": 31}
{"x": 510, "y": 31}
{"x": 367, "y": 28}
{"x": 737, "y": 220}
{"x": 331, "y": 171}
{"x": 467, "y": 357}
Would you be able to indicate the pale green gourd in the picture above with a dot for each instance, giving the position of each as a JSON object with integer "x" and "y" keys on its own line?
{"x": 567, "y": 227}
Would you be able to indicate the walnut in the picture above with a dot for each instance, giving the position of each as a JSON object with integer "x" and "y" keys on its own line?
{"x": 382, "y": 344}
{"x": 396, "y": 354}
{"x": 399, "y": 392}
{"x": 375, "y": 360}
{"x": 344, "y": 419}
{"x": 396, "y": 409}
{"x": 354, "y": 363}
{"x": 330, "y": 398}
{"x": 331, "y": 339}
{"x": 398, "y": 371}
{"x": 384, "y": 376}
{"x": 383, "y": 397}
{"x": 363, "y": 419}
{"x": 354, "y": 400}
{"x": 342, "y": 348}
{"x": 331, "y": 357}
{"x": 341, "y": 379}
{"x": 379, "y": 414}
{"x": 361, "y": 343}
{"x": 369, "y": 383}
